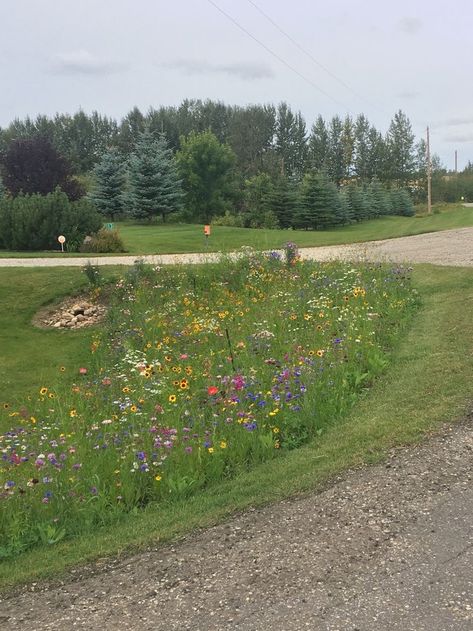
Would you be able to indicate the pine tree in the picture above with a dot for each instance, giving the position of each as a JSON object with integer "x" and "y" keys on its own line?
{"x": 381, "y": 200}
{"x": 358, "y": 202}
{"x": 283, "y": 201}
{"x": 396, "y": 201}
{"x": 319, "y": 203}
{"x": 371, "y": 207}
{"x": 107, "y": 193}
{"x": 407, "y": 208}
{"x": 345, "y": 210}
{"x": 155, "y": 187}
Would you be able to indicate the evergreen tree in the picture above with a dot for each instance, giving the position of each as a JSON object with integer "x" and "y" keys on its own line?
{"x": 154, "y": 184}
{"x": 283, "y": 201}
{"x": 2, "y": 188}
{"x": 319, "y": 204}
{"x": 345, "y": 213}
{"x": 406, "y": 206}
{"x": 107, "y": 193}
{"x": 396, "y": 200}
{"x": 401, "y": 202}
{"x": 370, "y": 202}
{"x": 358, "y": 202}
{"x": 381, "y": 199}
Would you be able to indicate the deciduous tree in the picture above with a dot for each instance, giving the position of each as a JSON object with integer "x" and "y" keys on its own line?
{"x": 205, "y": 165}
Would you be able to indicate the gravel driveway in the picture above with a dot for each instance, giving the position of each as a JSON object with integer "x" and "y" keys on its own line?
{"x": 388, "y": 547}
{"x": 450, "y": 247}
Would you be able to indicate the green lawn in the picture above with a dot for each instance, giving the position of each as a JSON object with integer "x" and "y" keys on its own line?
{"x": 178, "y": 239}
{"x": 29, "y": 356}
{"x": 428, "y": 383}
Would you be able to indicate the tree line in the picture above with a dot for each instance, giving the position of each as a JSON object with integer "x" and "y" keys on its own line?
{"x": 254, "y": 166}
{"x": 264, "y": 138}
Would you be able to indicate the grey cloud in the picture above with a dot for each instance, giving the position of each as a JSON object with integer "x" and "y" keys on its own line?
{"x": 408, "y": 95}
{"x": 466, "y": 137}
{"x": 82, "y": 62}
{"x": 245, "y": 71}
{"x": 409, "y": 25}
{"x": 453, "y": 122}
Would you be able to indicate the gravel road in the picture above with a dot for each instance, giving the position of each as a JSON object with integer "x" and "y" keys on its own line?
{"x": 387, "y": 547}
{"x": 450, "y": 247}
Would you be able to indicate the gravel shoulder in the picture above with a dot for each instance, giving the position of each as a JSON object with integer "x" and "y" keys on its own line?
{"x": 449, "y": 247}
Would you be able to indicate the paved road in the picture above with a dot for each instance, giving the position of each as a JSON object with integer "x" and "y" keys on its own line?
{"x": 449, "y": 247}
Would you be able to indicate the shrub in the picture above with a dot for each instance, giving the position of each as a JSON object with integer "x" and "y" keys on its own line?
{"x": 229, "y": 219}
{"x": 267, "y": 220}
{"x": 104, "y": 241}
{"x": 33, "y": 222}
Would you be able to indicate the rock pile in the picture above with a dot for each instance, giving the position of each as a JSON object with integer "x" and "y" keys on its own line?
{"x": 74, "y": 315}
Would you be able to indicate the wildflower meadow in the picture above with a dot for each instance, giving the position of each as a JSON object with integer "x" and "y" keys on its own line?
{"x": 198, "y": 374}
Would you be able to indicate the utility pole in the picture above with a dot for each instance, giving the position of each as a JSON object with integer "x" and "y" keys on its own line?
{"x": 456, "y": 161}
{"x": 429, "y": 176}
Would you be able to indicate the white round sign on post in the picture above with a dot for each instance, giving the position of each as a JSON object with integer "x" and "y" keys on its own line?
{"x": 62, "y": 241}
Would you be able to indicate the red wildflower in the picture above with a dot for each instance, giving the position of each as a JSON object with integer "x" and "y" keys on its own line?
{"x": 212, "y": 390}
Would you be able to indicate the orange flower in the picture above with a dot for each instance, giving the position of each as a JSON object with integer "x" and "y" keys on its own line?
{"x": 212, "y": 390}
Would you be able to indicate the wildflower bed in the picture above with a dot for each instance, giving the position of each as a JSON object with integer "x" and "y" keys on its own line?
{"x": 198, "y": 375}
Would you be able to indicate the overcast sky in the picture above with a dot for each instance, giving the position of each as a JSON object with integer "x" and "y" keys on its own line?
{"x": 368, "y": 56}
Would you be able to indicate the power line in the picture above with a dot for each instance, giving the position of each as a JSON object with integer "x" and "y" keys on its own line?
{"x": 309, "y": 55}
{"x": 275, "y": 55}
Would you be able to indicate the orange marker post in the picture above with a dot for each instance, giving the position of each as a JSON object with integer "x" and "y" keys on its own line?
{"x": 207, "y": 230}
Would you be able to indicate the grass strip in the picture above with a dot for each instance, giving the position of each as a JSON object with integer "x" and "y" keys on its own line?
{"x": 30, "y": 356}
{"x": 179, "y": 239}
{"x": 428, "y": 383}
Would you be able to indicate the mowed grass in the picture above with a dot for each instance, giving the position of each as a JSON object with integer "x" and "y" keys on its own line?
{"x": 428, "y": 383}
{"x": 30, "y": 356}
{"x": 143, "y": 239}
